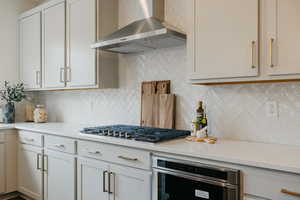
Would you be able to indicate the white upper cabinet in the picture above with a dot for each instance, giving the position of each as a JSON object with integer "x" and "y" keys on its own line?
{"x": 30, "y": 50}
{"x": 243, "y": 41}
{"x": 226, "y": 39}
{"x": 283, "y": 30}
{"x": 81, "y": 26}
{"x": 54, "y": 45}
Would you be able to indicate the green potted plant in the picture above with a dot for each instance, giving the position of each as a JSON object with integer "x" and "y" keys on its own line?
{"x": 11, "y": 95}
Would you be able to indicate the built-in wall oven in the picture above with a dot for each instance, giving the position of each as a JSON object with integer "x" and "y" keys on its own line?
{"x": 182, "y": 180}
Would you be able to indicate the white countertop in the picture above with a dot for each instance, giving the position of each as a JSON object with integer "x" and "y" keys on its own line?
{"x": 270, "y": 156}
{"x": 6, "y": 126}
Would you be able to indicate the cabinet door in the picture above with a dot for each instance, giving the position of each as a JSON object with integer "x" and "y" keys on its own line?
{"x": 30, "y": 51}
{"x": 129, "y": 183}
{"x": 2, "y": 168}
{"x": 30, "y": 175}
{"x": 226, "y": 39}
{"x": 59, "y": 176}
{"x": 54, "y": 46}
{"x": 81, "y": 26}
{"x": 92, "y": 180}
{"x": 283, "y": 44}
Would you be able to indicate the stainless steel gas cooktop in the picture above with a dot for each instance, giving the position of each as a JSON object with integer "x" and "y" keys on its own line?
{"x": 138, "y": 133}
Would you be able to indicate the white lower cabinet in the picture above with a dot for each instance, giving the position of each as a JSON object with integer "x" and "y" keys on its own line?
{"x": 30, "y": 175}
{"x": 8, "y": 161}
{"x": 59, "y": 176}
{"x": 45, "y": 174}
{"x": 49, "y": 169}
{"x": 2, "y": 168}
{"x": 130, "y": 184}
{"x": 270, "y": 185}
{"x": 100, "y": 180}
{"x": 91, "y": 179}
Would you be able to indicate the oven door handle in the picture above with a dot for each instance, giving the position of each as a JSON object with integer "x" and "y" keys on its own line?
{"x": 196, "y": 178}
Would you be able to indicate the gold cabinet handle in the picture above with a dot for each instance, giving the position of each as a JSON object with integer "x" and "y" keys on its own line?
{"x": 62, "y": 75}
{"x": 105, "y": 173}
{"x": 37, "y": 78}
{"x": 45, "y": 163}
{"x": 59, "y": 146}
{"x": 253, "y": 54}
{"x": 29, "y": 139}
{"x": 127, "y": 158}
{"x": 94, "y": 152}
{"x": 112, "y": 177}
{"x": 295, "y": 194}
{"x": 38, "y": 167}
{"x": 271, "y": 52}
{"x": 69, "y": 74}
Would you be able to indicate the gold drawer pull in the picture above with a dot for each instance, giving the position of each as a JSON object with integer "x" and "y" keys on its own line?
{"x": 60, "y": 146}
{"x": 272, "y": 40}
{"x": 94, "y": 152}
{"x": 295, "y": 194}
{"x": 127, "y": 158}
{"x": 29, "y": 139}
{"x": 253, "y": 44}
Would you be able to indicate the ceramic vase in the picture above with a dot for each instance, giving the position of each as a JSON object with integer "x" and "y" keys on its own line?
{"x": 9, "y": 113}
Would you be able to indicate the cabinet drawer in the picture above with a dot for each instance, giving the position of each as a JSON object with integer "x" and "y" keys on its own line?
{"x": 61, "y": 144}
{"x": 116, "y": 154}
{"x": 27, "y": 137}
{"x": 268, "y": 184}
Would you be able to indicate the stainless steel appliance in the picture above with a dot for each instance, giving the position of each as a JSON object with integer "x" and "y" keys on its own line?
{"x": 138, "y": 133}
{"x": 146, "y": 34}
{"x": 182, "y": 180}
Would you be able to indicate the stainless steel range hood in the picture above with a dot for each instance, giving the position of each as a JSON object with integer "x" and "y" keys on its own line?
{"x": 143, "y": 35}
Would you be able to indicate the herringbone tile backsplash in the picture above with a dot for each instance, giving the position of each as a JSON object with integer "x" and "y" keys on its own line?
{"x": 235, "y": 111}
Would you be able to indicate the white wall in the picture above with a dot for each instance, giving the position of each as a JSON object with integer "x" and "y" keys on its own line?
{"x": 235, "y": 111}
{"x": 9, "y": 12}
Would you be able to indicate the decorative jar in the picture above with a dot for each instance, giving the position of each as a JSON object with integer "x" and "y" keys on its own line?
{"x": 40, "y": 114}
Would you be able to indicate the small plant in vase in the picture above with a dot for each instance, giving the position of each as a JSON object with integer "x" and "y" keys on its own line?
{"x": 11, "y": 95}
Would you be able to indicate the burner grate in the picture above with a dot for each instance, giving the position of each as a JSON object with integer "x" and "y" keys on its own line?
{"x": 138, "y": 133}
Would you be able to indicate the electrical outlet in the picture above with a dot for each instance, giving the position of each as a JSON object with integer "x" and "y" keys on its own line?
{"x": 272, "y": 109}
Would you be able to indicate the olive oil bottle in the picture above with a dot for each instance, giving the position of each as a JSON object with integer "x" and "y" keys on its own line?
{"x": 201, "y": 119}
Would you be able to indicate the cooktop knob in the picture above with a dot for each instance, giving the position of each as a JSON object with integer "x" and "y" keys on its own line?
{"x": 128, "y": 135}
{"x": 122, "y": 134}
{"x": 110, "y": 133}
{"x": 105, "y": 132}
{"x": 116, "y": 134}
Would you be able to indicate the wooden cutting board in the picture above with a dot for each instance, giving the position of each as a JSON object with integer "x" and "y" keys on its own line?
{"x": 158, "y": 105}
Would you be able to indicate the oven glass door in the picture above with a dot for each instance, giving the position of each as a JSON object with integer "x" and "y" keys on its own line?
{"x": 172, "y": 187}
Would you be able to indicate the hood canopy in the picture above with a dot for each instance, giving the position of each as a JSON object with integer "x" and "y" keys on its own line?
{"x": 146, "y": 34}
